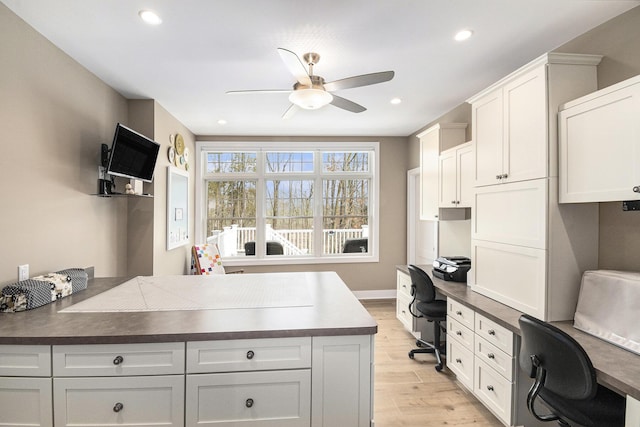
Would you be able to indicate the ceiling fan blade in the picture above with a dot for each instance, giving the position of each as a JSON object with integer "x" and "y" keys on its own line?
{"x": 246, "y": 92}
{"x": 357, "y": 81}
{"x": 295, "y": 66}
{"x": 345, "y": 104}
{"x": 293, "y": 108}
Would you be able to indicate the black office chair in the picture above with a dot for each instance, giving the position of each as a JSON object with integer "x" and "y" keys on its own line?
{"x": 432, "y": 309}
{"x": 273, "y": 248}
{"x": 565, "y": 379}
{"x": 355, "y": 245}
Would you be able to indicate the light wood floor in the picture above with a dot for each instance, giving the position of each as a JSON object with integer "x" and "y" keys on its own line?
{"x": 410, "y": 393}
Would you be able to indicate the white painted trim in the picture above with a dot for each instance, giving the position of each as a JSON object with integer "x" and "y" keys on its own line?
{"x": 378, "y": 294}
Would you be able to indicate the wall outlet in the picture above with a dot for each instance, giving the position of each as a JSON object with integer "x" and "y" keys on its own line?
{"x": 23, "y": 272}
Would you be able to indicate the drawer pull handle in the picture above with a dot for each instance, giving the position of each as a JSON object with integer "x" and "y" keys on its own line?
{"x": 250, "y": 355}
{"x": 459, "y": 313}
{"x": 491, "y": 332}
{"x": 458, "y": 360}
{"x": 459, "y": 333}
{"x": 491, "y": 356}
{"x": 249, "y": 403}
{"x": 636, "y": 189}
{"x": 118, "y": 360}
{"x": 490, "y": 387}
{"x": 498, "y": 176}
{"x": 118, "y": 407}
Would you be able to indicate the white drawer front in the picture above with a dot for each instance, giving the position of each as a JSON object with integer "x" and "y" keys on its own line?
{"x": 495, "y": 334}
{"x": 497, "y": 359}
{"x": 25, "y": 360}
{"x": 248, "y": 355}
{"x": 460, "y": 361}
{"x": 461, "y": 313}
{"x": 270, "y": 399}
{"x": 25, "y": 402}
{"x": 493, "y": 390}
{"x": 402, "y": 311}
{"x": 121, "y": 401}
{"x": 118, "y": 359}
{"x": 403, "y": 282}
{"x": 460, "y": 333}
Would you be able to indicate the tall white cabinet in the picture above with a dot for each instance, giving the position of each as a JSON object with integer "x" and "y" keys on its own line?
{"x": 527, "y": 251}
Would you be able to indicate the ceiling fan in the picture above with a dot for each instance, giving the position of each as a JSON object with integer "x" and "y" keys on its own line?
{"x": 311, "y": 92}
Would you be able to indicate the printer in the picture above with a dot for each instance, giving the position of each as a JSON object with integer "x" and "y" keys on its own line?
{"x": 452, "y": 268}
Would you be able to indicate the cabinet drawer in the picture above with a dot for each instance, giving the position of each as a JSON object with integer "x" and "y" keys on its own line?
{"x": 25, "y": 360}
{"x": 460, "y": 361}
{"x": 460, "y": 333}
{"x": 495, "y": 334}
{"x": 403, "y": 282}
{"x": 122, "y": 401}
{"x": 273, "y": 398}
{"x": 118, "y": 359}
{"x": 497, "y": 359}
{"x": 493, "y": 390}
{"x": 25, "y": 402}
{"x": 402, "y": 311}
{"x": 461, "y": 313}
{"x": 248, "y": 355}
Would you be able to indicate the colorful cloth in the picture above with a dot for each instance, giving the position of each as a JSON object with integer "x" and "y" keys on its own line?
{"x": 206, "y": 260}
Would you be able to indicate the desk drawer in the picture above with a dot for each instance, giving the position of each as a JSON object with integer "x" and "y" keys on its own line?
{"x": 493, "y": 390}
{"x": 497, "y": 359}
{"x": 495, "y": 334}
{"x": 248, "y": 355}
{"x": 403, "y": 282}
{"x": 270, "y": 398}
{"x": 461, "y": 313}
{"x": 460, "y": 361}
{"x": 402, "y": 310}
{"x": 25, "y": 360}
{"x": 121, "y": 401}
{"x": 25, "y": 402}
{"x": 460, "y": 333}
{"x": 118, "y": 359}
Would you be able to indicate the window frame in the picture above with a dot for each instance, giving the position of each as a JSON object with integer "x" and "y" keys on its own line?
{"x": 202, "y": 147}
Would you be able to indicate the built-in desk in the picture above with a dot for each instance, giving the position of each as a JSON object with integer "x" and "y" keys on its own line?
{"x": 616, "y": 368}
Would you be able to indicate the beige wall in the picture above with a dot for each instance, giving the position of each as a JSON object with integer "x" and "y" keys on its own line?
{"x": 54, "y": 115}
{"x": 393, "y": 217}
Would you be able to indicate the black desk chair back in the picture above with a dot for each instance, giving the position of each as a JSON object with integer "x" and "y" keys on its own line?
{"x": 427, "y": 306}
{"x": 355, "y": 245}
{"x": 273, "y": 248}
{"x": 565, "y": 379}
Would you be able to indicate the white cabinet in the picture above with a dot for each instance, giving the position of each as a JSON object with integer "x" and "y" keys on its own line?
{"x": 513, "y": 140}
{"x": 600, "y": 145}
{"x": 455, "y": 185}
{"x": 432, "y": 141}
{"x": 527, "y": 252}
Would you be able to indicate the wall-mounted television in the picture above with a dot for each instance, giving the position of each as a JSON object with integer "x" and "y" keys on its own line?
{"x": 132, "y": 155}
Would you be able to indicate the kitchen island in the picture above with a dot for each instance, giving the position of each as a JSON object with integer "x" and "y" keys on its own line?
{"x": 246, "y": 360}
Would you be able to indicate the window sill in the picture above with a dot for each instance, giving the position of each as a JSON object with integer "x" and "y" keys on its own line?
{"x": 282, "y": 260}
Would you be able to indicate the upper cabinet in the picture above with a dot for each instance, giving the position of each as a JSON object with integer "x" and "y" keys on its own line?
{"x": 600, "y": 145}
{"x": 455, "y": 184}
{"x": 511, "y": 118}
{"x": 432, "y": 141}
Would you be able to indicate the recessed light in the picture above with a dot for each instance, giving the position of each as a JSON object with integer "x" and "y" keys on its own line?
{"x": 463, "y": 35}
{"x": 396, "y": 101}
{"x": 150, "y": 17}
{"x": 222, "y": 122}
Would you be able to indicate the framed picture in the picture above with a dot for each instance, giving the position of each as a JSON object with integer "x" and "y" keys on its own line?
{"x": 177, "y": 207}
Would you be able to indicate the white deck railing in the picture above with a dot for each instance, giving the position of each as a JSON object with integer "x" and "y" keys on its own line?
{"x": 231, "y": 240}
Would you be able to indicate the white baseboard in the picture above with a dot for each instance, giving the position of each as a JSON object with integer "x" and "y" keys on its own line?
{"x": 382, "y": 294}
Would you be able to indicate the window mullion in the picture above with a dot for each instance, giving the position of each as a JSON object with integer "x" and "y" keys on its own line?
{"x": 261, "y": 207}
{"x": 318, "y": 223}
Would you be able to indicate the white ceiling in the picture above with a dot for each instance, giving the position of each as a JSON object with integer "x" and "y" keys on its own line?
{"x": 204, "y": 48}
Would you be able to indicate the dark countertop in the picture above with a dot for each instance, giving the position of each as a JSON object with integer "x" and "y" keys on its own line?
{"x": 616, "y": 368}
{"x": 334, "y": 310}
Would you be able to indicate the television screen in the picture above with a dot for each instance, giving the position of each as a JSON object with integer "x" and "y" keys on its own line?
{"x": 132, "y": 155}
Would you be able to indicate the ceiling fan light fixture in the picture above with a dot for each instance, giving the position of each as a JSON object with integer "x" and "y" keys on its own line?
{"x": 310, "y": 99}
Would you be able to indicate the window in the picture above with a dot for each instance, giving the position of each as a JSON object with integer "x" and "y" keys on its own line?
{"x": 288, "y": 203}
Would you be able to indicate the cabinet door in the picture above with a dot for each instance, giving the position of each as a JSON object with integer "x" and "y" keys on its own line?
{"x": 599, "y": 158}
{"x": 341, "y": 381}
{"x": 487, "y": 133}
{"x": 525, "y": 127}
{"x": 460, "y": 361}
{"x": 25, "y": 402}
{"x": 465, "y": 190}
{"x": 429, "y": 154}
{"x": 447, "y": 182}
